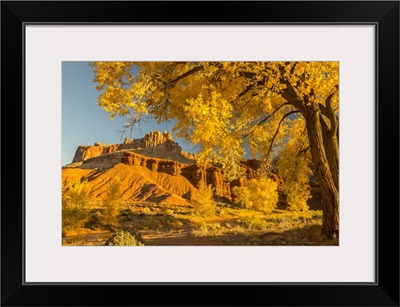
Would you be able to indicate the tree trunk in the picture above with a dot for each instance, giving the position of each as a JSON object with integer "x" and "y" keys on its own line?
{"x": 332, "y": 153}
{"x": 330, "y": 194}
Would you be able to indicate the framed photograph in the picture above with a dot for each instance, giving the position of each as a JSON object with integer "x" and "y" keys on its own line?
{"x": 149, "y": 150}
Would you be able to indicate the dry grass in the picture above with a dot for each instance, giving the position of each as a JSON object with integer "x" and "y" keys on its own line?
{"x": 164, "y": 224}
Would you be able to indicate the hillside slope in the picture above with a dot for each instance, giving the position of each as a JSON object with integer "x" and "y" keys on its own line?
{"x": 136, "y": 183}
{"x": 153, "y": 169}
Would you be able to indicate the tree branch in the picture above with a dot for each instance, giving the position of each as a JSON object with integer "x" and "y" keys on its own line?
{"x": 303, "y": 150}
{"x": 323, "y": 109}
{"x": 186, "y": 74}
{"x": 291, "y": 96}
{"x": 279, "y": 126}
{"x": 266, "y": 118}
{"x": 329, "y": 113}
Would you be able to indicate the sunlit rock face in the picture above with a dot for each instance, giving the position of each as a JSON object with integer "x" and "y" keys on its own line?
{"x": 155, "y": 141}
{"x": 158, "y": 156}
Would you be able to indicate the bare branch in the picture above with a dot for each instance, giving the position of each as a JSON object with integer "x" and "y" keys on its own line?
{"x": 303, "y": 151}
{"x": 266, "y": 118}
{"x": 328, "y": 111}
{"x": 279, "y": 126}
{"x": 186, "y": 74}
{"x": 293, "y": 68}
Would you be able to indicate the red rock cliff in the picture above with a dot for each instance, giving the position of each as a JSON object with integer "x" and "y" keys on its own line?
{"x": 156, "y": 143}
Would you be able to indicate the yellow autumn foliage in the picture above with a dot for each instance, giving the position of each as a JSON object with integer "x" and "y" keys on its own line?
{"x": 228, "y": 108}
{"x": 259, "y": 194}
{"x": 76, "y": 205}
{"x": 204, "y": 202}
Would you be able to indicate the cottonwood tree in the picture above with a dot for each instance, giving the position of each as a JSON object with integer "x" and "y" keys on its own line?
{"x": 222, "y": 106}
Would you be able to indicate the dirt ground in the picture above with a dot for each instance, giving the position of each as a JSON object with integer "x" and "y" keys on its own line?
{"x": 184, "y": 236}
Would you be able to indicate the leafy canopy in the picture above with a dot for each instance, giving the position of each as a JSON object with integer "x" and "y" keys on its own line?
{"x": 224, "y": 107}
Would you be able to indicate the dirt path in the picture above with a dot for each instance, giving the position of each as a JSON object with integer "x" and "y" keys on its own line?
{"x": 184, "y": 236}
{"x": 307, "y": 236}
{"x": 179, "y": 236}
{"x": 91, "y": 239}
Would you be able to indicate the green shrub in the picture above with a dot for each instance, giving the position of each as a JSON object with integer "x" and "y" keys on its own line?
{"x": 124, "y": 238}
{"x": 260, "y": 194}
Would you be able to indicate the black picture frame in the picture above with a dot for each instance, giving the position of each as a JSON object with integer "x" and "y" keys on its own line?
{"x": 383, "y": 14}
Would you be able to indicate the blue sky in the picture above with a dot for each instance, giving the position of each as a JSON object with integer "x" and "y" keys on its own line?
{"x": 84, "y": 122}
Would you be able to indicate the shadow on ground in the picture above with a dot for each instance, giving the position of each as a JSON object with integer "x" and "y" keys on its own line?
{"x": 306, "y": 236}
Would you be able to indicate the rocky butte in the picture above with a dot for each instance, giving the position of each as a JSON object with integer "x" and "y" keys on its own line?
{"x": 154, "y": 143}
{"x": 153, "y": 168}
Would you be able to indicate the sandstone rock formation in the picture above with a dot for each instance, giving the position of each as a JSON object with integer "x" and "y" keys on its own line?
{"x": 136, "y": 184}
{"x": 192, "y": 172}
{"x": 181, "y": 179}
{"x": 155, "y": 143}
{"x": 153, "y": 168}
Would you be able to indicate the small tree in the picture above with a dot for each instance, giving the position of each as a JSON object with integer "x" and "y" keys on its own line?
{"x": 295, "y": 170}
{"x": 260, "y": 194}
{"x": 76, "y": 205}
{"x": 112, "y": 206}
{"x": 204, "y": 203}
